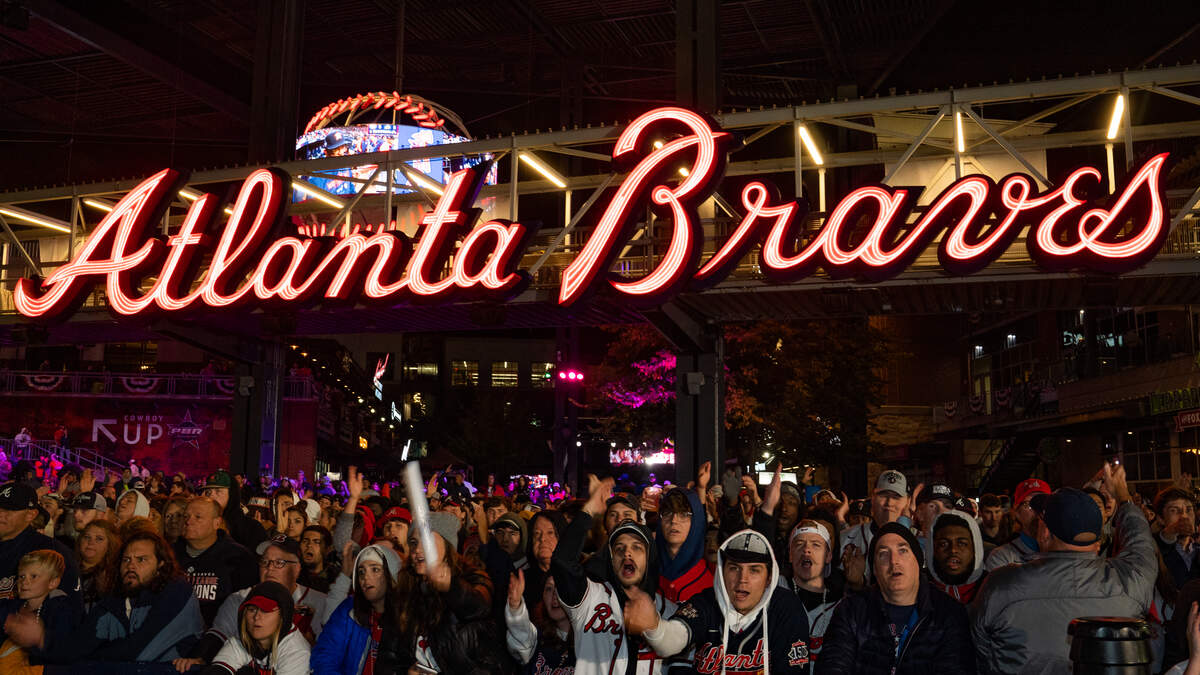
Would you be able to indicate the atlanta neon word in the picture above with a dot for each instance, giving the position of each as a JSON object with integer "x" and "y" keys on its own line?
{"x": 249, "y": 266}
{"x": 675, "y": 159}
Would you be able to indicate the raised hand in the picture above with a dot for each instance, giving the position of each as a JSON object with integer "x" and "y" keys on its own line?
{"x": 355, "y": 482}
{"x": 854, "y": 564}
{"x": 749, "y": 485}
{"x": 910, "y": 509}
{"x": 516, "y": 590}
{"x": 598, "y": 493}
{"x": 640, "y": 615}
{"x": 87, "y": 481}
{"x": 843, "y": 509}
{"x": 772, "y": 499}
{"x": 703, "y": 476}
{"x": 1114, "y": 482}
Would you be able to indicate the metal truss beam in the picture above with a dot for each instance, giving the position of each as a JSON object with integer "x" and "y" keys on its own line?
{"x": 132, "y": 54}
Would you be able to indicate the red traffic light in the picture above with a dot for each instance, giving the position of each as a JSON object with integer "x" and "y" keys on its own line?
{"x": 570, "y": 376}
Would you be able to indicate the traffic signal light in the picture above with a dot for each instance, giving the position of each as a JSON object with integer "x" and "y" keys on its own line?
{"x": 570, "y": 375}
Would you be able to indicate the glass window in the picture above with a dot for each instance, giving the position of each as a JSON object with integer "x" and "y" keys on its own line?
{"x": 504, "y": 373}
{"x": 413, "y": 370}
{"x": 464, "y": 373}
{"x": 541, "y": 375}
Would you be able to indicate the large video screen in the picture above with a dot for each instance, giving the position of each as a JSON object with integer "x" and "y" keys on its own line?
{"x": 365, "y": 138}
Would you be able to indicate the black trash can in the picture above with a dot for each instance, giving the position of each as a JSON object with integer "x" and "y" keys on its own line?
{"x": 1110, "y": 645}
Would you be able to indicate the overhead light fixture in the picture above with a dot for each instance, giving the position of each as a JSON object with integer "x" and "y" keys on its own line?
{"x": 537, "y": 165}
{"x": 316, "y": 194}
{"x": 959, "y": 140}
{"x": 423, "y": 181}
{"x": 658, "y": 145}
{"x": 810, "y": 145}
{"x": 1114, "y": 124}
{"x": 97, "y": 204}
{"x": 191, "y": 195}
{"x": 683, "y": 171}
{"x": 34, "y": 219}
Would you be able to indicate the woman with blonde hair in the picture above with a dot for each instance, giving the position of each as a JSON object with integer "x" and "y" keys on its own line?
{"x": 266, "y": 642}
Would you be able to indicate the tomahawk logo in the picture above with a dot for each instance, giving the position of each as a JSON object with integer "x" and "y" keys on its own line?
{"x": 6, "y": 492}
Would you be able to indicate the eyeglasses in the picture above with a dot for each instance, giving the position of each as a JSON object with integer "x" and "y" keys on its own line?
{"x": 276, "y": 564}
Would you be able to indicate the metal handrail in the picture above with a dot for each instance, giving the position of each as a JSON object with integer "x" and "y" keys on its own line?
{"x": 183, "y": 385}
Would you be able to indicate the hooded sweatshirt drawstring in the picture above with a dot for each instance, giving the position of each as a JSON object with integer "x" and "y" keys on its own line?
{"x": 735, "y": 619}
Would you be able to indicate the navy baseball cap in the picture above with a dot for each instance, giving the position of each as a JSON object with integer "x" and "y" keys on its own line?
{"x": 1073, "y": 516}
{"x": 17, "y": 496}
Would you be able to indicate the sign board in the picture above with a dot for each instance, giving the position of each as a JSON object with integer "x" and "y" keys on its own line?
{"x": 673, "y": 160}
{"x": 1187, "y": 420}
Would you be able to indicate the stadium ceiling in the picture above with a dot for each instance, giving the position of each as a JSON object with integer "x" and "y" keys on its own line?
{"x": 95, "y": 91}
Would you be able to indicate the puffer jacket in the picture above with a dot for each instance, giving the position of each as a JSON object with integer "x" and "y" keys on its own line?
{"x": 467, "y": 640}
{"x": 1020, "y": 616}
{"x": 342, "y": 646}
{"x": 858, "y": 641}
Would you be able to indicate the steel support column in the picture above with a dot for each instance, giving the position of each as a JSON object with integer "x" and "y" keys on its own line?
{"x": 699, "y": 388}
{"x": 275, "y": 96}
{"x": 697, "y": 61}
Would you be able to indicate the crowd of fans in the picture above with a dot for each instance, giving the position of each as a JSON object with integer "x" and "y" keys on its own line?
{"x": 226, "y": 575}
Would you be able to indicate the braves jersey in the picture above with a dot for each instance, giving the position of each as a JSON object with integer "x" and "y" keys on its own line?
{"x": 601, "y": 643}
{"x": 785, "y": 642}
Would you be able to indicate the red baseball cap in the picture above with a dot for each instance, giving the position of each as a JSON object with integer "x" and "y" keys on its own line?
{"x": 1028, "y": 487}
{"x": 262, "y": 602}
{"x": 396, "y": 513}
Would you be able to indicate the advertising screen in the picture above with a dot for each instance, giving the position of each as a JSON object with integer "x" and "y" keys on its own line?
{"x": 366, "y": 138}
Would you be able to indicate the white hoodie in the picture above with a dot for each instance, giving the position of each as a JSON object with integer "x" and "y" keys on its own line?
{"x": 695, "y": 622}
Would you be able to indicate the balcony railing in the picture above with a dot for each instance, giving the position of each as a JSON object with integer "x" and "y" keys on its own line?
{"x": 43, "y": 383}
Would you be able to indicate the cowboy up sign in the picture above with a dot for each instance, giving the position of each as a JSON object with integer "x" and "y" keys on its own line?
{"x": 867, "y": 236}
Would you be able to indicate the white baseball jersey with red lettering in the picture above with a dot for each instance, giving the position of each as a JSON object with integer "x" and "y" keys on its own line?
{"x": 600, "y": 637}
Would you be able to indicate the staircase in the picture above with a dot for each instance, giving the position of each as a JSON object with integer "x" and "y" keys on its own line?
{"x": 35, "y": 450}
{"x": 1019, "y": 459}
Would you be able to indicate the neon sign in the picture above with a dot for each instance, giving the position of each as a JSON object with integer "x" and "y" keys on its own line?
{"x": 675, "y": 159}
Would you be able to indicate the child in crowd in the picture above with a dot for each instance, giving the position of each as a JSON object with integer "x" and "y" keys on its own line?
{"x": 266, "y": 642}
{"x": 38, "y": 576}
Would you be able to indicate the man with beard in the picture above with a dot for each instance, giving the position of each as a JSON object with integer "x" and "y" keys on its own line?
{"x": 318, "y": 569}
{"x": 596, "y": 608}
{"x": 740, "y": 624}
{"x": 957, "y": 550}
{"x": 815, "y": 580}
{"x": 153, "y": 618}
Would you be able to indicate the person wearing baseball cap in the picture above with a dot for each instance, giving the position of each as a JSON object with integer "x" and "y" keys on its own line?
{"x": 1024, "y": 546}
{"x": 267, "y": 641}
{"x": 629, "y": 561}
{"x": 279, "y": 561}
{"x": 932, "y": 501}
{"x": 745, "y": 617}
{"x": 889, "y": 504}
{"x": 503, "y": 555}
{"x": 222, "y": 488}
{"x": 86, "y": 507}
{"x": 901, "y": 624}
{"x": 18, "y": 509}
{"x": 1020, "y": 617}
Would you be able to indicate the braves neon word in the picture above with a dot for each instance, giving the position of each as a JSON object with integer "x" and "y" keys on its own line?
{"x": 675, "y": 159}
